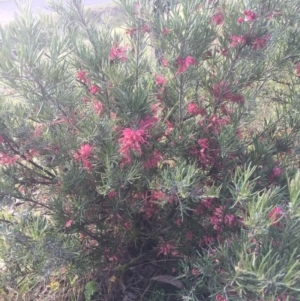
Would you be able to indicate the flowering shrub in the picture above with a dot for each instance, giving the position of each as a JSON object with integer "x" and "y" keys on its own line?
{"x": 172, "y": 140}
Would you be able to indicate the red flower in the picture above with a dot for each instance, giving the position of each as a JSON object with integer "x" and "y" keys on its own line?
{"x": 218, "y": 18}
{"x": 38, "y": 131}
{"x": 160, "y": 80}
{"x": 229, "y": 219}
{"x": 69, "y": 223}
{"x": 276, "y": 172}
{"x": 164, "y": 62}
{"x": 131, "y": 31}
{"x": 81, "y": 75}
{"x": 220, "y": 298}
{"x": 240, "y": 20}
{"x": 208, "y": 240}
{"x": 189, "y": 60}
{"x": 118, "y": 52}
{"x": 193, "y": 109}
{"x": 237, "y": 40}
{"x": 153, "y": 161}
{"x": 94, "y": 89}
{"x": 170, "y": 127}
{"x": 249, "y": 15}
{"x": 146, "y": 29}
{"x": 165, "y": 31}
{"x": 260, "y": 43}
{"x": 275, "y": 215}
{"x": 148, "y": 122}
{"x": 166, "y": 248}
{"x": 131, "y": 140}
{"x": 8, "y": 160}
{"x": 87, "y": 164}
{"x": 203, "y": 143}
{"x": 98, "y": 107}
{"x": 84, "y": 152}
{"x": 221, "y": 92}
{"x": 184, "y": 64}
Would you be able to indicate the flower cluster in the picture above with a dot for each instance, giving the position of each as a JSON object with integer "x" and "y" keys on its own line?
{"x": 221, "y": 92}
{"x": 8, "y": 160}
{"x": 184, "y": 64}
{"x": 276, "y": 215}
{"x": 218, "y": 18}
{"x": 131, "y": 140}
{"x": 83, "y": 155}
{"x": 82, "y": 77}
{"x": 118, "y": 53}
{"x": 194, "y": 109}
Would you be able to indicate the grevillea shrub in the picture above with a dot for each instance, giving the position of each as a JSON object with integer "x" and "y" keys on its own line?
{"x": 162, "y": 155}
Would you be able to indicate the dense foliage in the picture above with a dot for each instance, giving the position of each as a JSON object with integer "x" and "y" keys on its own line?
{"x": 162, "y": 155}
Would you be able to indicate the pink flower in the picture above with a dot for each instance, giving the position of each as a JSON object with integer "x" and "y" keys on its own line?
{"x": 131, "y": 31}
{"x": 224, "y": 52}
{"x": 160, "y": 80}
{"x": 218, "y": 18}
{"x": 189, "y": 60}
{"x": 275, "y": 215}
{"x": 38, "y": 131}
{"x": 220, "y": 298}
{"x": 170, "y": 127}
{"x": 118, "y": 52}
{"x": 164, "y": 62}
{"x": 112, "y": 194}
{"x": 131, "y": 140}
{"x": 229, "y": 219}
{"x": 184, "y": 64}
{"x": 87, "y": 164}
{"x": 167, "y": 248}
{"x": 69, "y": 223}
{"x": 249, "y": 15}
{"x": 208, "y": 240}
{"x": 94, "y": 89}
{"x": 237, "y": 40}
{"x": 165, "y": 31}
{"x": 195, "y": 272}
{"x": 221, "y": 90}
{"x": 193, "y": 109}
{"x": 98, "y": 107}
{"x": 146, "y": 29}
{"x": 240, "y": 20}
{"x": 7, "y": 159}
{"x": 260, "y": 43}
{"x": 203, "y": 143}
{"x": 153, "y": 160}
{"x": 148, "y": 122}
{"x": 207, "y": 202}
{"x": 82, "y": 76}
{"x": 84, "y": 152}
{"x": 276, "y": 172}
